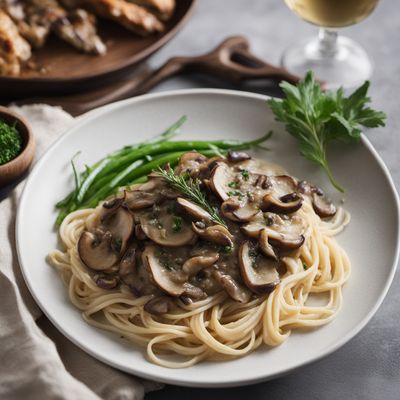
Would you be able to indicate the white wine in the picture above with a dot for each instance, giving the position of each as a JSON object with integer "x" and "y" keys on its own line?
{"x": 332, "y": 13}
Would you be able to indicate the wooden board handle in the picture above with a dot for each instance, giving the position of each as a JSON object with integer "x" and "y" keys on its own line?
{"x": 230, "y": 61}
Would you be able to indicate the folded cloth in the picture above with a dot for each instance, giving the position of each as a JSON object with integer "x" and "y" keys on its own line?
{"x": 36, "y": 361}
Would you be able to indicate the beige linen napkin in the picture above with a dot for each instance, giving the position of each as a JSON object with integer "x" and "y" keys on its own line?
{"x": 36, "y": 361}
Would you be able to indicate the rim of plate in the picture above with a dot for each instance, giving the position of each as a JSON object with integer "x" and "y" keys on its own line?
{"x": 258, "y": 377}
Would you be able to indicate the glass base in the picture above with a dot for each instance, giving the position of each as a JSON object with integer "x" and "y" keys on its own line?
{"x": 346, "y": 64}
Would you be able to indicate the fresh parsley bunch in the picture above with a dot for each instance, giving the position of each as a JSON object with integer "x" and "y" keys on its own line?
{"x": 315, "y": 118}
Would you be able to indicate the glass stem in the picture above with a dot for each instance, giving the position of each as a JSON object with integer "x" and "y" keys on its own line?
{"x": 327, "y": 43}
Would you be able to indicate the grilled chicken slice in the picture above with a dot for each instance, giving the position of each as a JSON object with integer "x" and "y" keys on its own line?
{"x": 34, "y": 18}
{"x": 163, "y": 9}
{"x": 14, "y": 49}
{"x": 78, "y": 28}
{"x": 131, "y": 16}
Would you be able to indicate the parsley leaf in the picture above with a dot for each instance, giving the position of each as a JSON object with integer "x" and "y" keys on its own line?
{"x": 177, "y": 223}
{"x": 316, "y": 118}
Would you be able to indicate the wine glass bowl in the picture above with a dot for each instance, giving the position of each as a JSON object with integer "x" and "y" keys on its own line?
{"x": 336, "y": 60}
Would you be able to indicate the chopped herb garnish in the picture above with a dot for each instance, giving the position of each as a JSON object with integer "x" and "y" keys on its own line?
{"x": 10, "y": 142}
{"x": 226, "y": 249}
{"x": 232, "y": 184}
{"x": 305, "y": 266}
{"x": 253, "y": 253}
{"x": 177, "y": 224}
{"x": 236, "y": 193}
{"x": 250, "y": 196}
{"x": 245, "y": 174}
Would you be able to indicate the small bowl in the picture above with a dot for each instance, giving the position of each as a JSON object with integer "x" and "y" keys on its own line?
{"x": 14, "y": 169}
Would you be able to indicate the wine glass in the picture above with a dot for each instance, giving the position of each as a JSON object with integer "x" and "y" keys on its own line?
{"x": 336, "y": 60}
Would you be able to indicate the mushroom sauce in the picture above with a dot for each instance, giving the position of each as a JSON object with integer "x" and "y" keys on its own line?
{"x": 155, "y": 239}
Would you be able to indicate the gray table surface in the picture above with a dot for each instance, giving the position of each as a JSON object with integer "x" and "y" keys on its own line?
{"x": 368, "y": 367}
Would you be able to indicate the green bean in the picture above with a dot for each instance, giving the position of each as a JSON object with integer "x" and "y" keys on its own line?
{"x": 132, "y": 164}
{"x": 167, "y": 134}
{"x": 165, "y": 147}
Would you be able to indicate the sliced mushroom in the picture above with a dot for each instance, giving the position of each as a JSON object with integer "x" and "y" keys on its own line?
{"x": 120, "y": 224}
{"x": 160, "y": 273}
{"x": 282, "y": 185}
{"x": 253, "y": 228}
{"x": 138, "y": 199}
{"x": 161, "y": 227}
{"x": 239, "y": 212}
{"x": 217, "y": 234}
{"x": 113, "y": 204}
{"x": 258, "y": 272}
{"x": 271, "y": 203}
{"x": 219, "y": 180}
{"x": 285, "y": 234}
{"x": 323, "y": 207}
{"x": 206, "y": 168}
{"x": 106, "y": 282}
{"x": 193, "y": 292}
{"x": 159, "y": 305}
{"x": 236, "y": 291}
{"x": 195, "y": 264}
{"x": 191, "y": 163}
{"x": 265, "y": 246}
{"x": 237, "y": 156}
{"x": 194, "y": 210}
{"x": 262, "y": 182}
{"x": 127, "y": 265}
{"x": 97, "y": 252}
{"x": 306, "y": 188}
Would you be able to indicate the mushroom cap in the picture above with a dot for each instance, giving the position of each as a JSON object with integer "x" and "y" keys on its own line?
{"x": 237, "y": 156}
{"x": 217, "y": 234}
{"x": 253, "y": 228}
{"x": 120, "y": 224}
{"x": 159, "y": 305}
{"x": 138, "y": 199}
{"x": 279, "y": 205}
{"x": 127, "y": 265}
{"x": 322, "y": 207}
{"x": 238, "y": 211}
{"x": 285, "y": 234}
{"x": 236, "y": 291}
{"x": 196, "y": 212}
{"x": 97, "y": 252}
{"x": 191, "y": 162}
{"x": 161, "y": 229}
{"x": 106, "y": 282}
{"x": 221, "y": 175}
{"x": 265, "y": 246}
{"x": 162, "y": 276}
{"x": 195, "y": 264}
{"x": 258, "y": 272}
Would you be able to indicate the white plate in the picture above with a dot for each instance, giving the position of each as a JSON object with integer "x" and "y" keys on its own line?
{"x": 371, "y": 240}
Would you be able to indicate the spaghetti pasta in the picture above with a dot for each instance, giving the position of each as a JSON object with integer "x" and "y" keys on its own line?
{"x": 216, "y": 327}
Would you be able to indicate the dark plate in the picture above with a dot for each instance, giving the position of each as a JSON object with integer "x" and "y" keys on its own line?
{"x": 59, "y": 68}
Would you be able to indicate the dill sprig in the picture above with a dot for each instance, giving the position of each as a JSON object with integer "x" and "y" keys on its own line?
{"x": 190, "y": 188}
